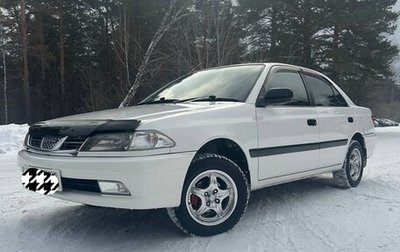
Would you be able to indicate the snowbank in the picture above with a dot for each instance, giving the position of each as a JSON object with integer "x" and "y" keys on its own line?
{"x": 12, "y": 137}
{"x": 392, "y": 129}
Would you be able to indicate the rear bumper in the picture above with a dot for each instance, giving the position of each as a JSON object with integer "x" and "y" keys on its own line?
{"x": 370, "y": 142}
{"x": 153, "y": 181}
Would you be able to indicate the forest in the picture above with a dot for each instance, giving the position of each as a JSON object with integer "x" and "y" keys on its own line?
{"x": 62, "y": 57}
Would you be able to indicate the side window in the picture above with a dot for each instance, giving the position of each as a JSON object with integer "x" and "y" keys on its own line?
{"x": 340, "y": 101}
{"x": 321, "y": 90}
{"x": 293, "y": 81}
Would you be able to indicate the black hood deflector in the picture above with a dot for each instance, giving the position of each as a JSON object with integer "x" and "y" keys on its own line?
{"x": 83, "y": 128}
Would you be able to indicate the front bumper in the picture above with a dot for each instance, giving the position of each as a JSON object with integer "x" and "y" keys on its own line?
{"x": 153, "y": 181}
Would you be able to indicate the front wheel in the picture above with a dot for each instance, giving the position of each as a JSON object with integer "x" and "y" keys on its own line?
{"x": 214, "y": 197}
{"x": 351, "y": 173}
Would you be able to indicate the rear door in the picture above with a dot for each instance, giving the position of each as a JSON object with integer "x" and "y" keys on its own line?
{"x": 288, "y": 132}
{"x": 336, "y": 124}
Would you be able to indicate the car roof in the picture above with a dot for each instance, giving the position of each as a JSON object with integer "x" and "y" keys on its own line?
{"x": 305, "y": 69}
{"x": 269, "y": 64}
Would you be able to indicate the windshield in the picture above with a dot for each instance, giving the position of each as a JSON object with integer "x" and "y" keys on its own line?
{"x": 230, "y": 83}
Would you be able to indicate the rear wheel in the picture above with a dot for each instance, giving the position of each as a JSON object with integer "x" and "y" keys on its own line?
{"x": 351, "y": 173}
{"x": 214, "y": 197}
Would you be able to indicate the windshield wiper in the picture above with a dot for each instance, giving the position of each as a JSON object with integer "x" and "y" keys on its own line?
{"x": 209, "y": 98}
{"x": 194, "y": 99}
{"x": 161, "y": 100}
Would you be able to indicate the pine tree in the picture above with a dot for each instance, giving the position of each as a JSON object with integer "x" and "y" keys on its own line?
{"x": 357, "y": 51}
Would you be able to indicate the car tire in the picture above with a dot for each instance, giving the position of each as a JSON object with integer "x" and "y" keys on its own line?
{"x": 214, "y": 196}
{"x": 353, "y": 167}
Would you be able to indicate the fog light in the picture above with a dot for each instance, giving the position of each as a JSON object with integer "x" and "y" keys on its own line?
{"x": 113, "y": 187}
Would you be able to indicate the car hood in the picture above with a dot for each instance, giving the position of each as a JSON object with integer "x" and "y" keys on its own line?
{"x": 146, "y": 112}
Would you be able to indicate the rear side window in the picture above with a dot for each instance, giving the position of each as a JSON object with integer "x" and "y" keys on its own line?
{"x": 293, "y": 81}
{"x": 323, "y": 92}
{"x": 340, "y": 101}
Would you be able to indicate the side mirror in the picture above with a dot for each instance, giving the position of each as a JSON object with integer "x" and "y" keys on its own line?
{"x": 278, "y": 95}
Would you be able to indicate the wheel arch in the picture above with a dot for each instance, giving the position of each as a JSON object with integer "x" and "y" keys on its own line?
{"x": 360, "y": 138}
{"x": 229, "y": 149}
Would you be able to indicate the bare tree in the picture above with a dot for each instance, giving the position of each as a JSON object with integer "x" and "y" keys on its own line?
{"x": 42, "y": 49}
{"x": 24, "y": 42}
{"x": 207, "y": 39}
{"x": 62, "y": 58}
{"x": 4, "y": 74}
{"x": 222, "y": 28}
{"x": 121, "y": 46}
{"x": 172, "y": 15}
{"x": 95, "y": 96}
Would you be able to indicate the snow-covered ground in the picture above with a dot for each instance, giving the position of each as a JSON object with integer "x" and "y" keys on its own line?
{"x": 309, "y": 215}
{"x": 12, "y": 137}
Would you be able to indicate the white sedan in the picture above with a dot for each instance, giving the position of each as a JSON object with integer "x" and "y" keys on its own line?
{"x": 200, "y": 144}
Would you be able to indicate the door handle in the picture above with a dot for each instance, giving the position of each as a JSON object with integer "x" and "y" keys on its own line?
{"x": 350, "y": 119}
{"x": 312, "y": 122}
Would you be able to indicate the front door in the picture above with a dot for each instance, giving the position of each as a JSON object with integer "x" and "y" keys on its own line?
{"x": 288, "y": 132}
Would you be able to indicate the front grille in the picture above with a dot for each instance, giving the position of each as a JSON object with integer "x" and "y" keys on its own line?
{"x": 52, "y": 143}
{"x": 35, "y": 141}
{"x": 72, "y": 143}
{"x": 87, "y": 185}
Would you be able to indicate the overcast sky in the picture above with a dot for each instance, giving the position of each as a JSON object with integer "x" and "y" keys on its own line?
{"x": 396, "y": 36}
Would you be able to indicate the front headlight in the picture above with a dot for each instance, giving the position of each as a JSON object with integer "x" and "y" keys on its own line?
{"x": 139, "y": 140}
